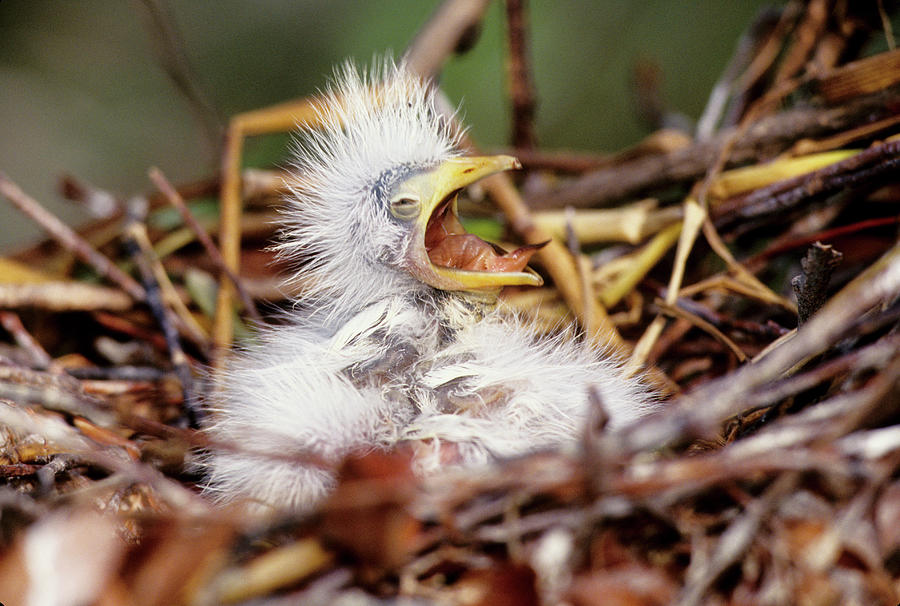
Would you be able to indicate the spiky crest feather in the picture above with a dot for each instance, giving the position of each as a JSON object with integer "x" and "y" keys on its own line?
{"x": 372, "y": 127}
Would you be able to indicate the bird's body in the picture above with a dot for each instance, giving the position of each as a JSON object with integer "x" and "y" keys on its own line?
{"x": 397, "y": 337}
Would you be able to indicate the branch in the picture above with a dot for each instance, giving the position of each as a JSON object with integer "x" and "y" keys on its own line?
{"x": 766, "y": 138}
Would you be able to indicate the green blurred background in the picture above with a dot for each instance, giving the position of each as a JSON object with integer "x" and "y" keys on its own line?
{"x": 82, "y": 92}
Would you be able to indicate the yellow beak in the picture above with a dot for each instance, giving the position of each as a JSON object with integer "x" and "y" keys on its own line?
{"x": 438, "y": 188}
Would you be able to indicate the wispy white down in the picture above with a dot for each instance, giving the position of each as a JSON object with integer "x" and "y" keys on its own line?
{"x": 373, "y": 357}
{"x": 370, "y": 126}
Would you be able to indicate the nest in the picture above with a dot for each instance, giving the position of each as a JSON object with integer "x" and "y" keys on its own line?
{"x": 751, "y": 271}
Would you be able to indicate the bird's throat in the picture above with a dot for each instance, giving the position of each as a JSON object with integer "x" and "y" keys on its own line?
{"x": 449, "y": 245}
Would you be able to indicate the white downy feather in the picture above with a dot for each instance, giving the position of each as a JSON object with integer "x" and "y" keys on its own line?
{"x": 381, "y": 357}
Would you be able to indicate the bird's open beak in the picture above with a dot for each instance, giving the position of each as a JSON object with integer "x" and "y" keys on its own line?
{"x": 443, "y": 254}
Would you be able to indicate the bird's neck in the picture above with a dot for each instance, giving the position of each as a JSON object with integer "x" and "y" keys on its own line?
{"x": 459, "y": 309}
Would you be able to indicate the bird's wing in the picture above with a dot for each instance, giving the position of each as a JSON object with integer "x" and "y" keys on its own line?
{"x": 506, "y": 392}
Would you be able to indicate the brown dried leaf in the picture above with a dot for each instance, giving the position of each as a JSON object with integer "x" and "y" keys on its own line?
{"x": 367, "y": 512}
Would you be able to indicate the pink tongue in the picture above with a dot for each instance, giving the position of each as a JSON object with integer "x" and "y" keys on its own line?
{"x": 467, "y": 251}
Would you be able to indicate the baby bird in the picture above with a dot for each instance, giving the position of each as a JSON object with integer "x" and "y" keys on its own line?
{"x": 396, "y": 336}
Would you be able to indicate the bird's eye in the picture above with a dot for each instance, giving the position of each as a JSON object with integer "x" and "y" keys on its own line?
{"x": 405, "y": 207}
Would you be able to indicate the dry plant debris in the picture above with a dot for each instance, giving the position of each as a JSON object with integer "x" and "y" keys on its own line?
{"x": 769, "y": 477}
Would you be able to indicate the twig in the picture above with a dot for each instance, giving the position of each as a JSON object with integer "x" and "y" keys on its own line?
{"x": 886, "y": 24}
{"x": 561, "y": 162}
{"x": 747, "y": 47}
{"x": 876, "y": 355}
{"x": 680, "y": 312}
{"x": 733, "y": 542}
{"x": 452, "y": 28}
{"x": 127, "y": 327}
{"x": 742, "y": 275}
{"x": 100, "y": 203}
{"x": 520, "y": 82}
{"x": 585, "y": 284}
{"x": 169, "y": 47}
{"x": 64, "y": 234}
{"x": 694, "y": 217}
{"x": 766, "y": 137}
{"x": 52, "y": 391}
{"x": 803, "y": 41}
{"x": 281, "y": 567}
{"x": 164, "y": 316}
{"x": 640, "y": 265}
{"x": 632, "y": 223}
{"x": 68, "y": 438}
{"x": 728, "y": 283}
{"x": 756, "y": 262}
{"x": 215, "y": 256}
{"x": 13, "y": 325}
{"x": 64, "y": 296}
{"x": 870, "y": 167}
{"x": 701, "y": 411}
{"x": 118, "y": 373}
{"x": 182, "y": 318}
{"x": 768, "y": 331}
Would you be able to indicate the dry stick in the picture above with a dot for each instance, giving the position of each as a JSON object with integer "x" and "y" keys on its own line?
{"x": 701, "y": 412}
{"x": 874, "y": 165}
{"x": 750, "y": 119}
{"x": 53, "y": 391}
{"x": 733, "y": 542}
{"x": 725, "y": 152}
{"x": 654, "y": 144}
{"x": 803, "y": 41}
{"x": 521, "y": 87}
{"x": 164, "y": 316}
{"x": 64, "y": 296}
{"x": 766, "y": 137}
{"x": 229, "y": 236}
{"x": 560, "y": 161}
{"x": 169, "y": 46}
{"x": 876, "y": 355}
{"x": 886, "y": 26}
{"x": 176, "y": 200}
{"x": 124, "y": 374}
{"x": 769, "y": 331}
{"x": 70, "y": 240}
{"x": 278, "y": 118}
{"x": 764, "y": 58}
{"x": 743, "y": 275}
{"x": 449, "y": 29}
{"x": 680, "y": 312}
{"x": 757, "y": 261}
{"x": 726, "y": 282}
{"x": 67, "y": 437}
{"x": 13, "y": 325}
{"x": 747, "y": 48}
{"x": 639, "y": 265}
{"x": 556, "y": 260}
{"x": 183, "y": 318}
{"x": 278, "y": 568}
{"x": 694, "y": 217}
{"x": 98, "y": 202}
{"x": 866, "y": 131}
{"x": 583, "y": 266}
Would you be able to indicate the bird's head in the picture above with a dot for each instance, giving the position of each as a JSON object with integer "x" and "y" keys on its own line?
{"x": 373, "y": 210}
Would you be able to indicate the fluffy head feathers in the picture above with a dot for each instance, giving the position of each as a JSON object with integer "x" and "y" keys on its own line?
{"x": 373, "y": 131}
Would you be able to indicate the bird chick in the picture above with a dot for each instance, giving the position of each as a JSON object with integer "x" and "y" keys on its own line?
{"x": 396, "y": 336}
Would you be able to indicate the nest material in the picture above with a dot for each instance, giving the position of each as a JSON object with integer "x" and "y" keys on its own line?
{"x": 769, "y": 478}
